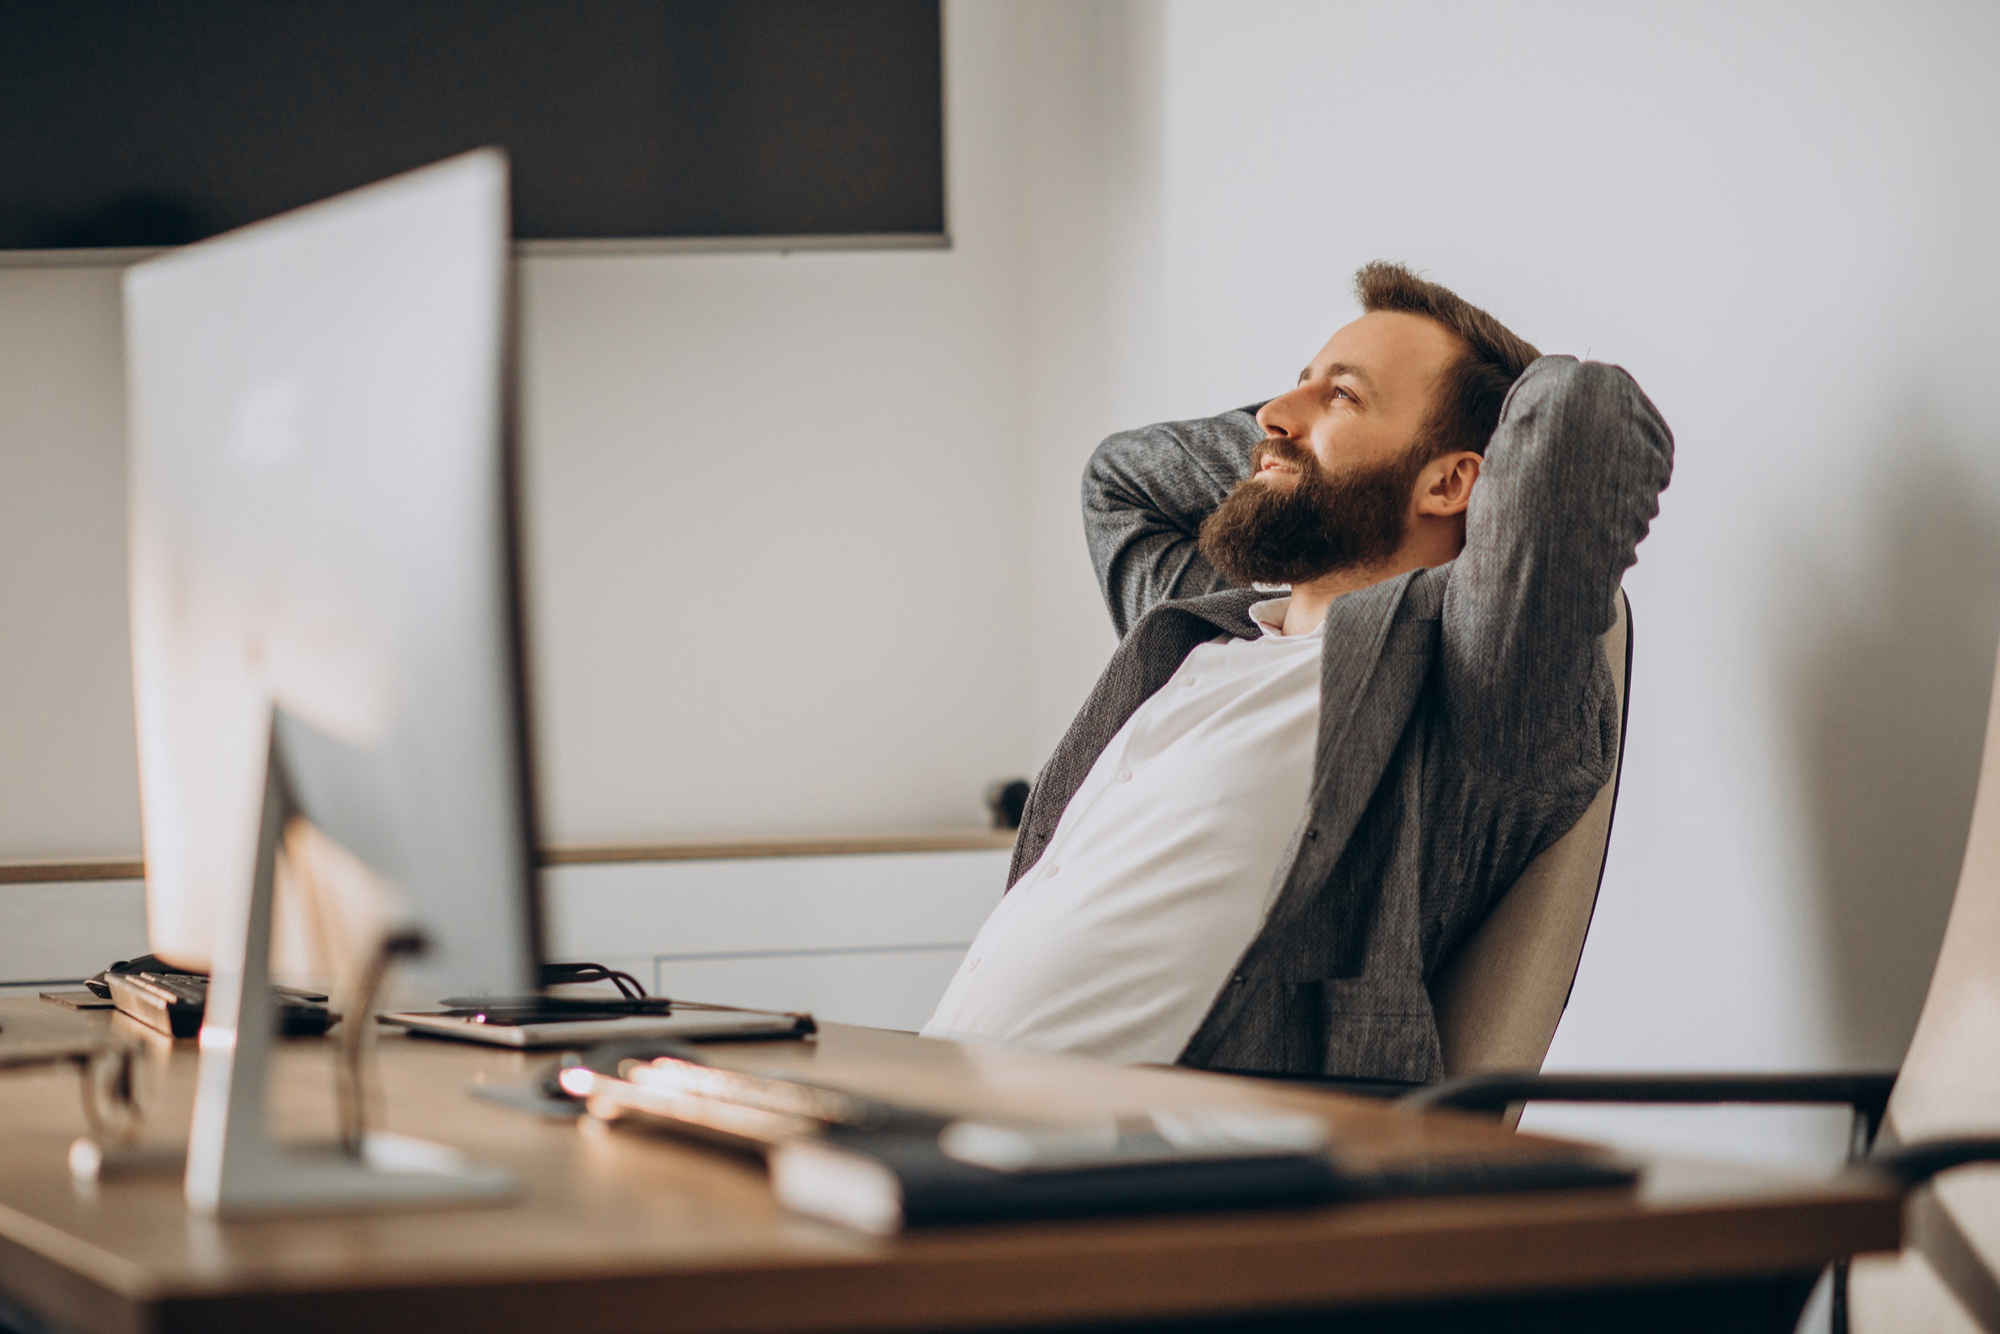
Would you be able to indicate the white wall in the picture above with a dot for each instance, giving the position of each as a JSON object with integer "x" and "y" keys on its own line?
{"x": 775, "y": 504}
{"x": 68, "y": 781}
{"x": 832, "y": 498}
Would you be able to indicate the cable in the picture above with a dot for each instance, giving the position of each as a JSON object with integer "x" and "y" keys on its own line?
{"x": 568, "y": 974}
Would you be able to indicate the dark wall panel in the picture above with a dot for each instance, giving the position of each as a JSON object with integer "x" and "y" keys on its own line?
{"x": 155, "y": 122}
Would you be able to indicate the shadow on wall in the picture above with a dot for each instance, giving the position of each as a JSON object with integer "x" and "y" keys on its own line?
{"x": 1888, "y": 711}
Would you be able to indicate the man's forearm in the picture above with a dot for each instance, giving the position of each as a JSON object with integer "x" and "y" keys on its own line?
{"x": 1145, "y": 494}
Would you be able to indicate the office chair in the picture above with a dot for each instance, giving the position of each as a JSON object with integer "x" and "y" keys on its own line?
{"x": 1500, "y": 995}
{"x": 1940, "y": 1111}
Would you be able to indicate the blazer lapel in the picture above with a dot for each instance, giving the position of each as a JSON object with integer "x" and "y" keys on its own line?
{"x": 1143, "y": 663}
{"x": 1379, "y": 646}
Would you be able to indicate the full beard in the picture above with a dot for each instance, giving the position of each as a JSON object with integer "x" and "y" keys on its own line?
{"x": 1274, "y": 532}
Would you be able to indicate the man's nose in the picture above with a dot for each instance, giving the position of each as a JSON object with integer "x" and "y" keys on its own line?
{"x": 1282, "y": 415}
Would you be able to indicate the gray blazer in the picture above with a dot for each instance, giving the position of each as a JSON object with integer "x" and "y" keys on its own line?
{"x": 1466, "y": 716}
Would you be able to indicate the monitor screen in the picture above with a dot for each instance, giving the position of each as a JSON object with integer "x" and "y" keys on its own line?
{"x": 159, "y": 122}
{"x": 323, "y": 583}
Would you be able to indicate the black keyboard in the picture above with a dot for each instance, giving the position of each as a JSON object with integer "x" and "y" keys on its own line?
{"x": 174, "y": 1002}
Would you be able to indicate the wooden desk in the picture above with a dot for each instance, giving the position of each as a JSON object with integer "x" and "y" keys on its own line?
{"x": 620, "y": 1231}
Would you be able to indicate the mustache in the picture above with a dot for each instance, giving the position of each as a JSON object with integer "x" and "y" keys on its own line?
{"x": 1279, "y": 449}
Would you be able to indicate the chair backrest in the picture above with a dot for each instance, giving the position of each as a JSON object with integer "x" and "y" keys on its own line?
{"x": 1950, "y": 1085}
{"x": 1499, "y": 997}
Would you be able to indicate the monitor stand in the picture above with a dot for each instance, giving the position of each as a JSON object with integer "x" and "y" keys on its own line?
{"x": 233, "y": 1165}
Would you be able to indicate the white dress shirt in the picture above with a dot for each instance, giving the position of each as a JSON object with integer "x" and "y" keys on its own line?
{"x": 1162, "y": 868}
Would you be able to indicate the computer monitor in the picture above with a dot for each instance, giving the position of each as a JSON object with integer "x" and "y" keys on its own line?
{"x": 321, "y": 525}
{"x": 325, "y": 596}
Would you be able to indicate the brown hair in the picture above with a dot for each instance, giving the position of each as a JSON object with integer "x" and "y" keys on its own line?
{"x": 1475, "y": 385}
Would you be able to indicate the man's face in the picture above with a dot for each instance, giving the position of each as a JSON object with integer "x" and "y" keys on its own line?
{"x": 1364, "y": 398}
{"x": 1334, "y": 483}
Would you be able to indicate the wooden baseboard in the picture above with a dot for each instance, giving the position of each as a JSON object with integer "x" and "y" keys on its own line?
{"x": 804, "y": 845}
{"x": 58, "y": 870}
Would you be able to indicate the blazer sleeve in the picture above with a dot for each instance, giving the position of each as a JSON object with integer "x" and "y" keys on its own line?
{"x": 1145, "y": 493}
{"x": 1571, "y": 483}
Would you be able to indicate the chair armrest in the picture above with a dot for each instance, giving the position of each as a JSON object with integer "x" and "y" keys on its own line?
{"x": 1915, "y": 1164}
{"x": 1385, "y": 1090}
{"x": 1866, "y": 1092}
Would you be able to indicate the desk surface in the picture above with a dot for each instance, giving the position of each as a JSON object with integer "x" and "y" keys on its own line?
{"x": 619, "y": 1230}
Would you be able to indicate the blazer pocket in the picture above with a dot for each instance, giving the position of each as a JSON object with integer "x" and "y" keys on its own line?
{"x": 1378, "y": 1028}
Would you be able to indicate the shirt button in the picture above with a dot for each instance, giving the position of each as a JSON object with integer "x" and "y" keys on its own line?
{"x": 972, "y": 967}
{"x": 1188, "y": 681}
{"x": 1051, "y": 871}
{"x": 1124, "y": 775}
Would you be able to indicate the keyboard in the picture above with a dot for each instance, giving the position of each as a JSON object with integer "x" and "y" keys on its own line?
{"x": 174, "y": 1003}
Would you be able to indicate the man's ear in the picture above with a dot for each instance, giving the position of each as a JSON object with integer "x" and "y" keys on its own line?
{"x": 1445, "y": 488}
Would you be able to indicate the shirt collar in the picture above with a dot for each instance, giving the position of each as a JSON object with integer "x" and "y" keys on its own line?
{"x": 1270, "y": 618}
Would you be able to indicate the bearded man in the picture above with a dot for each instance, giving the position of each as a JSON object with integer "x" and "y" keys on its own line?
{"x": 1277, "y": 815}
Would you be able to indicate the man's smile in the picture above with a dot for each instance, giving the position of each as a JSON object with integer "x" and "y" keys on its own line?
{"x": 1272, "y": 462}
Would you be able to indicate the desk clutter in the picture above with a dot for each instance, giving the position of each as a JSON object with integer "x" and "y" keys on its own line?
{"x": 881, "y": 1166}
